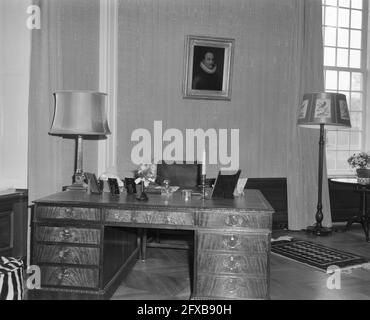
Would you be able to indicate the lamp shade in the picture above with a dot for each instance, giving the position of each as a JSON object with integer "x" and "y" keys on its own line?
{"x": 80, "y": 113}
{"x": 326, "y": 108}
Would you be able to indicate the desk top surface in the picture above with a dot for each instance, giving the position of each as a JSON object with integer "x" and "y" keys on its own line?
{"x": 252, "y": 200}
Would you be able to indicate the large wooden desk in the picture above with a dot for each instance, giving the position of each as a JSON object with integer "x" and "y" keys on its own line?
{"x": 85, "y": 244}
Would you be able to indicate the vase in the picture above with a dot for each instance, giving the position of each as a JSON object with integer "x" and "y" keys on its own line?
{"x": 363, "y": 176}
{"x": 140, "y": 192}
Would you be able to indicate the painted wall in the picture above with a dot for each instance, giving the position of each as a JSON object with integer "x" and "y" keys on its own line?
{"x": 150, "y": 74}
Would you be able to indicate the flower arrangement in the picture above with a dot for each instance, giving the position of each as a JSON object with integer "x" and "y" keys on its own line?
{"x": 359, "y": 160}
{"x": 146, "y": 173}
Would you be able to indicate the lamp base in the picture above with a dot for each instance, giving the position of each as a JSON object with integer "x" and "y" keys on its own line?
{"x": 319, "y": 231}
{"x": 77, "y": 187}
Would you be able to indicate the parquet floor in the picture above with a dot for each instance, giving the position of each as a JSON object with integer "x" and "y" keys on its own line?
{"x": 165, "y": 275}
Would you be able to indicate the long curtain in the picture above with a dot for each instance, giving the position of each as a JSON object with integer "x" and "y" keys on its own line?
{"x": 303, "y": 158}
{"x": 45, "y": 152}
{"x": 65, "y": 55}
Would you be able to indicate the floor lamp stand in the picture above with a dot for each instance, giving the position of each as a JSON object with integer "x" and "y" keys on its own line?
{"x": 318, "y": 229}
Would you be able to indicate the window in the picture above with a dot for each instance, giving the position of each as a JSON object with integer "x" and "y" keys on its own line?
{"x": 345, "y": 64}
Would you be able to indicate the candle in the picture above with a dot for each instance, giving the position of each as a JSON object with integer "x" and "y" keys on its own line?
{"x": 204, "y": 163}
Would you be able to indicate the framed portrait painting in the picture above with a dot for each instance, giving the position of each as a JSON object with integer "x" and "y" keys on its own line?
{"x": 208, "y": 68}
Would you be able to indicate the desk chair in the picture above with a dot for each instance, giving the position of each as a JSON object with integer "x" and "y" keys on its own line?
{"x": 184, "y": 175}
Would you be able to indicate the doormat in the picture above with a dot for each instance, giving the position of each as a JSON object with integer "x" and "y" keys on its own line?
{"x": 316, "y": 255}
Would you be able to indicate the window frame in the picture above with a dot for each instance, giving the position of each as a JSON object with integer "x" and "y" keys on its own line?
{"x": 364, "y": 70}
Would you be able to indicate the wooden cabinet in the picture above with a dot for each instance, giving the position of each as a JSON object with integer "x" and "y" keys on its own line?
{"x": 13, "y": 223}
{"x": 84, "y": 244}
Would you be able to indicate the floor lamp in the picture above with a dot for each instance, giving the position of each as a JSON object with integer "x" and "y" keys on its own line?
{"x": 79, "y": 114}
{"x": 322, "y": 110}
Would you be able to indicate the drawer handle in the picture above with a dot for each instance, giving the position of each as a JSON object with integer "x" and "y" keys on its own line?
{"x": 232, "y": 264}
{"x": 64, "y": 253}
{"x": 232, "y": 242}
{"x": 230, "y": 286}
{"x": 65, "y": 274}
{"x": 68, "y": 212}
{"x": 234, "y": 220}
{"x": 66, "y": 234}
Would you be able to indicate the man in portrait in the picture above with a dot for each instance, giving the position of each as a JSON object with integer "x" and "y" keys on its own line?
{"x": 208, "y": 68}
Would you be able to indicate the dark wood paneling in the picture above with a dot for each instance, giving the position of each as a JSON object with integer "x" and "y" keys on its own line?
{"x": 344, "y": 201}
{"x": 13, "y": 236}
{"x": 119, "y": 245}
{"x": 275, "y": 192}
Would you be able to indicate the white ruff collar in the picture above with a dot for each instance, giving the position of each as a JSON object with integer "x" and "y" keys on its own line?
{"x": 206, "y": 69}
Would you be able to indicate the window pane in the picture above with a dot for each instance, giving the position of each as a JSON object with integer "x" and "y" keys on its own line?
{"x": 356, "y": 19}
{"x": 343, "y": 36}
{"x": 355, "y": 141}
{"x": 343, "y": 18}
{"x": 330, "y": 36}
{"x": 344, "y": 80}
{"x": 331, "y": 139}
{"x": 342, "y": 58}
{"x": 343, "y": 140}
{"x": 355, "y": 59}
{"x": 344, "y": 3}
{"x": 342, "y": 157}
{"x": 331, "y": 80}
{"x": 356, "y": 101}
{"x": 357, "y": 4}
{"x": 329, "y": 56}
{"x": 330, "y": 160}
{"x": 356, "y": 39}
{"x": 331, "y": 16}
{"x": 356, "y": 120}
{"x": 356, "y": 81}
{"x": 331, "y": 2}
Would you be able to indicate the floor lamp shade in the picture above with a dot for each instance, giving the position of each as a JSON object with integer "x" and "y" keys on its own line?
{"x": 322, "y": 110}
{"x": 80, "y": 113}
{"x": 326, "y": 108}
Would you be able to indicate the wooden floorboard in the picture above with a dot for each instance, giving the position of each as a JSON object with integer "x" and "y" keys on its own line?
{"x": 165, "y": 275}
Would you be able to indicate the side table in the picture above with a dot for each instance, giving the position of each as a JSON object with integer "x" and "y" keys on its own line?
{"x": 362, "y": 217}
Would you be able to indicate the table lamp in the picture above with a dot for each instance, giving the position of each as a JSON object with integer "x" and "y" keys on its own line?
{"x": 79, "y": 114}
{"x": 322, "y": 110}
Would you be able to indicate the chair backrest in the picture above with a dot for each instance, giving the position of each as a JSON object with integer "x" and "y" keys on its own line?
{"x": 179, "y": 174}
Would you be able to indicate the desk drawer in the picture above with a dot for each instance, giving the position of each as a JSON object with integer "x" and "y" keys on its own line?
{"x": 67, "y": 234}
{"x": 69, "y": 277}
{"x": 66, "y": 254}
{"x": 253, "y": 265}
{"x": 150, "y": 217}
{"x": 222, "y": 219}
{"x": 249, "y": 244}
{"x": 231, "y": 287}
{"x": 68, "y": 213}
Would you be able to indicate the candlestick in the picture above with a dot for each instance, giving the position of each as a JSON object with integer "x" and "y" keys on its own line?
{"x": 203, "y": 186}
{"x": 204, "y": 163}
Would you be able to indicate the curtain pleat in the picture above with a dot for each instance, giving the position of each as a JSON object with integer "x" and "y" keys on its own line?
{"x": 44, "y": 151}
{"x": 303, "y": 156}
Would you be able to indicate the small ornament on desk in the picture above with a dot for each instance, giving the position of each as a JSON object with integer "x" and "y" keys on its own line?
{"x": 145, "y": 175}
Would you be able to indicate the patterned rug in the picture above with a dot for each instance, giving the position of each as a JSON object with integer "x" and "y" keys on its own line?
{"x": 315, "y": 255}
